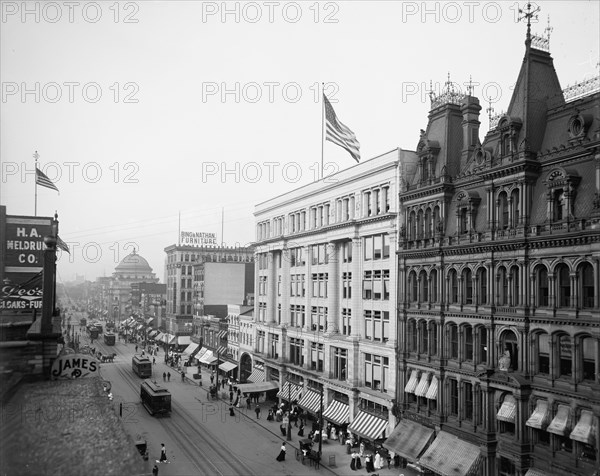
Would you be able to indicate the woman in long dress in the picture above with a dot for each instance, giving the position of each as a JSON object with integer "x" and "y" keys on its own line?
{"x": 358, "y": 462}
{"x": 353, "y": 462}
{"x": 377, "y": 461}
{"x": 281, "y": 455}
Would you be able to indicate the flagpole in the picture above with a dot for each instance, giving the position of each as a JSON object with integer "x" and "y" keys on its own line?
{"x": 322, "y": 128}
{"x": 36, "y": 156}
{"x": 222, "y": 226}
{"x": 179, "y": 230}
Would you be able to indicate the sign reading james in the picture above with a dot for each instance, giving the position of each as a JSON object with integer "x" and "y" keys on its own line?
{"x": 71, "y": 366}
{"x": 198, "y": 238}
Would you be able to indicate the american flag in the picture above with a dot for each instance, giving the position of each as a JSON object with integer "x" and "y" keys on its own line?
{"x": 338, "y": 133}
{"x": 41, "y": 179}
{"x": 62, "y": 245}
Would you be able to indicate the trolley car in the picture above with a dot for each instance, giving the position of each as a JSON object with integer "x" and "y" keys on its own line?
{"x": 109, "y": 339}
{"x": 155, "y": 398}
{"x": 141, "y": 366}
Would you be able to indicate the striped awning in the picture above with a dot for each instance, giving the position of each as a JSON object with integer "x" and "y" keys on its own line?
{"x": 561, "y": 423}
{"x": 508, "y": 410}
{"x": 310, "y": 401}
{"x": 448, "y": 455}
{"x": 337, "y": 412}
{"x": 433, "y": 389}
{"x": 289, "y": 391}
{"x": 257, "y": 375}
{"x": 368, "y": 426}
{"x": 423, "y": 386}
{"x": 172, "y": 339}
{"x": 540, "y": 417}
{"x": 413, "y": 381}
{"x": 222, "y": 334}
{"x": 584, "y": 430}
{"x": 227, "y": 366}
{"x": 409, "y": 439}
{"x": 222, "y": 350}
{"x": 159, "y": 337}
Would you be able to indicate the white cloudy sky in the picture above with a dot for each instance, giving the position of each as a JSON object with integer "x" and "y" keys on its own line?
{"x": 124, "y": 102}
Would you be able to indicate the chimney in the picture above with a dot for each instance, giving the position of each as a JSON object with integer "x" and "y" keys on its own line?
{"x": 470, "y": 125}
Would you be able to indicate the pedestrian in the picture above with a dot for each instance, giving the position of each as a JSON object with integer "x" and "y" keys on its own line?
{"x": 136, "y": 349}
{"x": 353, "y": 461}
{"x": 153, "y": 361}
{"x": 378, "y": 464}
{"x": 163, "y": 454}
{"x": 155, "y": 471}
{"x": 212, "y": 378}
{"x": 283, "y": 429}
{"x": 270, "y": 415}
{"x": 281, "y": 456}
{"x": 182, "y": 376}
{"x": 248, "y": 403}
{"x": 164, "y": 376}
{"x": 231, "y": 412}
{"x": 369, "y": 464}
{"x": 301, "y": 430}
{"x": 168, "y": 376}
{"x": 257, "y": 410}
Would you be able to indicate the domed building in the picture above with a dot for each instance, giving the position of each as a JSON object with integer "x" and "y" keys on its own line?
{"x": 132, "y": 269}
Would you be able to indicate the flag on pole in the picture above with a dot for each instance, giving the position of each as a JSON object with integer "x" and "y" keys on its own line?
{"x": 62, "y": 245}
{"x": 41, "y": 179}
{"x": 338, "y": 133}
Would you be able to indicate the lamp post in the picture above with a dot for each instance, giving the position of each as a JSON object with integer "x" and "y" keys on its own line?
{"x": 320, "y": 425}
{"x": 289, "y": 426}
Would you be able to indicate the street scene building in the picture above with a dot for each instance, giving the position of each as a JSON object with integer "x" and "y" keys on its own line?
{"x": 498, "y": 262}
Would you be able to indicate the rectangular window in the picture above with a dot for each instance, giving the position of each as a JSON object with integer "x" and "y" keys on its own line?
{"x": 468, "y": 401}
{"x": 368, "y": 243}
{"x": 386, "y": 246}
{"x": 346, "y": 321}
{"x": 377, "y": 246}
{"x": 368, "y": 325}
{"x": 453, "y": 410}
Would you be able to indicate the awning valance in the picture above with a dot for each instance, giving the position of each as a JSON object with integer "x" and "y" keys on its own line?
{"x": 540, "y": 417}
{"x": 227, "y": 366}
{"x": 257, "y": 387}
{"x": 448, "y": 455}
{"x": 337, "y": 412}
{"x": 290, "y": 391}
{"x": 561, "y": 424}
{"x": 432, "y": 391}
{"x": 183, "y": 340}
{"x": 508, "y": 410}
{"x": 409, "y": 439}
{"x": 257, "y": 375}
{"x": 368, "y": 426}
{"x": 411, "y": 386}
{"x": 189, "y": 350}
{"x": 310, "y": 401}
{"x": 423, "y": 385}
{"x": 584, "y": 430}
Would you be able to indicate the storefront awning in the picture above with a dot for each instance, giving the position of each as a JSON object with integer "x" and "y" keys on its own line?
{"x": 171, "y": 339}
{"x": 159, "y": 337}
{"x": 183, "y": 340}
{"x": 448, "y": 455}
{"x": 561, "y": 423}
{"x": 189, "y": 350}
{"x": 222, "y": 350}
{"x": 257, "y": 387}
{"x": 207, "y": 358}
{"x": 508, "y": 410}
{"x": 584, "y": 430}
{"x": 290, "y": 391}
{"x": 409, "y": 439}
{"x": 433, "y": 389}
{"x": 536, "y": 472}
{"x": 540, "y": 417}
{"x": 311, "y": 401}
{"x": 222, "y": 334}
{"x": 368, "y": 426}
{"x": 227, "y": 366}
{"x": 257, "y": 375}
{"x": 411, "y": 386}
{"x": 337, "y": 412}
{"x": 200, "y": 353}
{"x": 149, "y": 320}
{"x": 423, "y": 386}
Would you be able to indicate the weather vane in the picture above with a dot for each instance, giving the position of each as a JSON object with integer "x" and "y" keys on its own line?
{"x": 529, "y": 14}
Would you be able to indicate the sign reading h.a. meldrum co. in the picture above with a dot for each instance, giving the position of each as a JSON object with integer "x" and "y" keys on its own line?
{"x": 72, "y": 366}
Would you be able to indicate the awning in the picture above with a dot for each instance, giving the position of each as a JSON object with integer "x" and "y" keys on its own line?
{"x": 536, "y": 472}
{"x": 200, "y": 353}
{"x": 227, "y": 366}
{"x": 423, "y": 386}
{"x": 257, "y": 375}
{"x": 183, "y": 340}
{"x": 290, "y": 391}
{"x": 448, "y": 455}
{"x": 140, "y": 327}
{"x": 409, "y": 439}
{"x": 411, "y": 386}
{"x": 172, "y": 339}
{"x": 189, "y": 350}
{"x": 153, "y": 334}
{"x": 561, "y": 423}
{"x": 433, "y": 389}
{"x": 159, "y": 336}
{"x": 337, "y": 412}
{"x": 222, "y": 334}
{"x": 257, "y": 387}
{"x": 540, "y": 417}
{"x": 311, "y": 401}
{"x": 508, "y": 410}
{"x": 205, "y": 359}
{"x": 584, "y": 430}
{"x": 368, "y": 426}
{"x": 222, "y": 350}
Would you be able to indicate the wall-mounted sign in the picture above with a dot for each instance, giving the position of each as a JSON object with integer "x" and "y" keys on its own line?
{"x": 27, "y": 295}
{"x": 198, "y": 238}
{"x": 25, "y": 243}
{"x": 72, "y": 366}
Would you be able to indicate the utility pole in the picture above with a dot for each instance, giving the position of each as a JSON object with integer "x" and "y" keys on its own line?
{"x": 289, "y": 425}
{"x": 320, "y": 426}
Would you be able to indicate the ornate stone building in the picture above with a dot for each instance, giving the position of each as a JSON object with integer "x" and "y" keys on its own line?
{"x": 499, "y": 262}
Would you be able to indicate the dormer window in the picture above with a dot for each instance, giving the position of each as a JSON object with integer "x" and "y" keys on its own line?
{"x": 562, "y": 187}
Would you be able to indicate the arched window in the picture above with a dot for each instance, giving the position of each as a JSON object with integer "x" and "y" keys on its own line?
{"x": 563, "y": 286}
{"x": 433, "y": 277}
{"x": 412, "y": 286}
{"x": 423, "y": 337}
{"x": 412, "y": 219}
{"x": 514, "y": 286}
{"x": 468, "y": 337}
{"x": 502, "y": 287}
{"x": 428, "y": 224}
{"x": 468, "y": 286}
{"x": 508, "y": 341}
{"x": 434, "y": 338}
{"x": 420, "y": 224}
{"x": 558, "y": 204}
{"x": 588, "y": 353}
{"x": 436, "y": 219}
{"x": 411, "y": 335}
{"x": 585, "y": 277}
{"x": 452, "y": 341}
{"x": 482, "y": 283}
{"x": 452, "y": 287}
{"x": 542, "y": 341}
{"x": 564, "y": 356}
{"x": 482, "y": 350}
{"x": 424, "y": 286}
{"x": 516, "y": 206}
{"x": 502, "y": 211}
{"x": 541, "y": 277}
